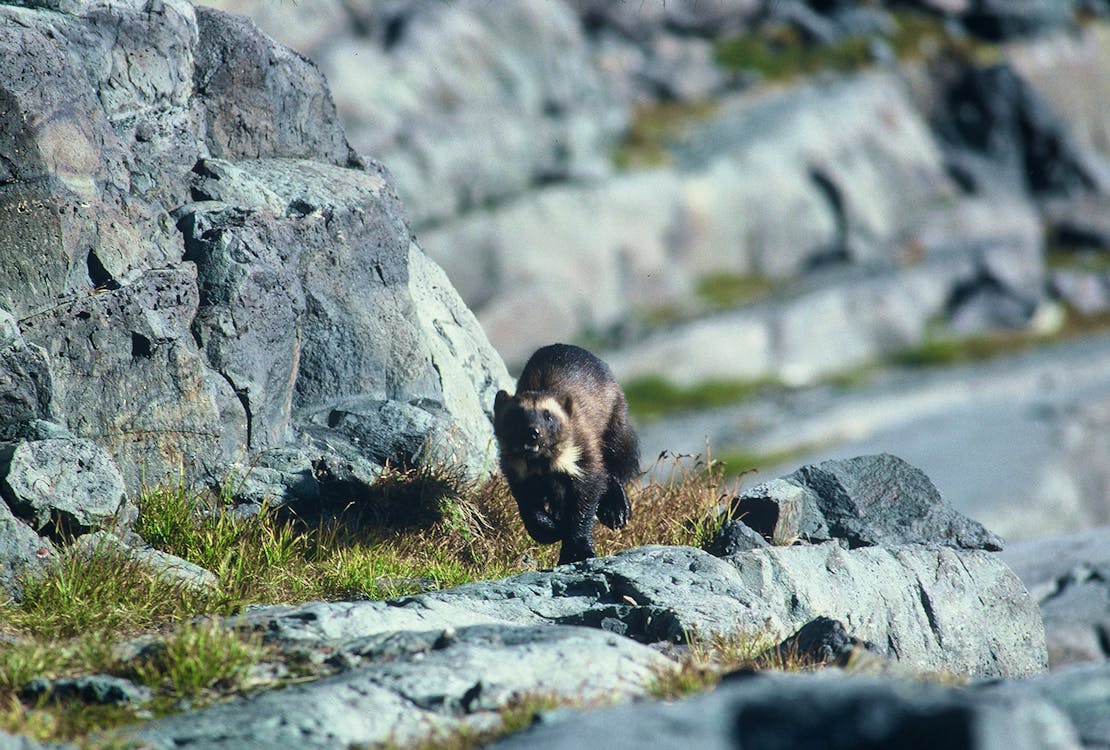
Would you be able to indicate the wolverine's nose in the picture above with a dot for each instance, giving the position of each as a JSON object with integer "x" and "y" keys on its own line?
{"x": 533, "y": 435}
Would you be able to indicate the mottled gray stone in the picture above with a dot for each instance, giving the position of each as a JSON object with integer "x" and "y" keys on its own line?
{"x": 310, "y": 288}
{"x": 128, "y": 375}
{"x": 734, "y": 537}
{"x": 169, "y": 568}
{"x": 22, "y": 553}
{"x": 1010, "y": 137}
{"x": 943, "y": 609}
{"x": 864, "y": 501}
{"x": 243, "y": 77}
{"x": 25, "y": 380}
{"x": 63, "y": 486}
{"x": 1069, "y": 576}
{"x": 99, "y": 689}
{"x": 314, "y": 299}
{"x": 770, "y": 711}
{"x": 1080, "y": 691}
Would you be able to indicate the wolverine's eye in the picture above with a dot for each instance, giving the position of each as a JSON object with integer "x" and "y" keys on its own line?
{"x": 547, "y": 415}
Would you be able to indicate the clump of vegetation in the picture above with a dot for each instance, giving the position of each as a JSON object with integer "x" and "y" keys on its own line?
{"x": 682, "y": 503}
{"x": 653, "y": 396}
{"x": 777, "y": 52}
{"x": 198, "y": 658}
{"x": 654, "y": 127}
{"x": 706, "y": 660}
{"x": 939, "y": 350}
{"x": 724, "y": 290}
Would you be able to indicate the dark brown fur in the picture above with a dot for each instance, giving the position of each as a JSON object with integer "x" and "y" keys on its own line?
{"x": 567, "y": 448}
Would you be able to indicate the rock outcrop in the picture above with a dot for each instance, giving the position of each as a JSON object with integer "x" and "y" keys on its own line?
{"x": 408, "y": 668}
{"x": 907, "y": 581}
{"x": 198, "y": 269}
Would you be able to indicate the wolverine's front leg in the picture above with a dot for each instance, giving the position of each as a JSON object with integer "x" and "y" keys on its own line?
{"x": 579, "y": 510}
{"x": 538, "y": 502}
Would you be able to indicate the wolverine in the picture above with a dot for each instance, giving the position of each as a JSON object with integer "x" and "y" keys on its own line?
{"x": 567, "y": 448}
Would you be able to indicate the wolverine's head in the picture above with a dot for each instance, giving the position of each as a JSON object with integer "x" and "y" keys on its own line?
{"x": 532, "y": 432}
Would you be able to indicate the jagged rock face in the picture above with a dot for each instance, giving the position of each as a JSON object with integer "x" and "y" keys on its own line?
{"x": 182, "y": 344}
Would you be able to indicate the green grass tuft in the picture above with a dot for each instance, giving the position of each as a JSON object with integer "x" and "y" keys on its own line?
{"x": 653, "y": 396}
{"x": 724, "y": 290}
{"x": 197, "y": 658}
{"x": 778, "y": 53}
{"x": 96, "y": 591}
{"x": 653, "y": 128}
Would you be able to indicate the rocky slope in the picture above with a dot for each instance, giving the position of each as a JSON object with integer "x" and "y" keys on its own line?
{"x": 1017, "y": 444}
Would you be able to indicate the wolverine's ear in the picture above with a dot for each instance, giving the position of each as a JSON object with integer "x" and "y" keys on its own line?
{"x": 499, "y": 402}
{"x": 567, "y": 403}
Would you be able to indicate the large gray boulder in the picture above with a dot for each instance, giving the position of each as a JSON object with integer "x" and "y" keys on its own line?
{"x": 63, "y": 486}
{"x": 286, "y": 284}
{"x": 864, "y": 501}
{"x": 300, "y": 321}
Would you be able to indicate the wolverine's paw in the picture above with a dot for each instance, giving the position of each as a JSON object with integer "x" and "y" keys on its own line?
{"x": 614, "y": 510}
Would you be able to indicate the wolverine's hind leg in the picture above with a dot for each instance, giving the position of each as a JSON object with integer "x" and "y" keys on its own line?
{"x": 620, "y": 450}
{"x": 614, "y": 510}
{"x": 580, "y": 509}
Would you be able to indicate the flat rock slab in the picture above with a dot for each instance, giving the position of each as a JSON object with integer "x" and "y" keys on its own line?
{"x": 404, "y": 670}
{"x": 944, "y": 610}
{"x": 401, "y": 687}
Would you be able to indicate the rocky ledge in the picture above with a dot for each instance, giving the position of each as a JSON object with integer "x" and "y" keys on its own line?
{"x": 857, "y": 566}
